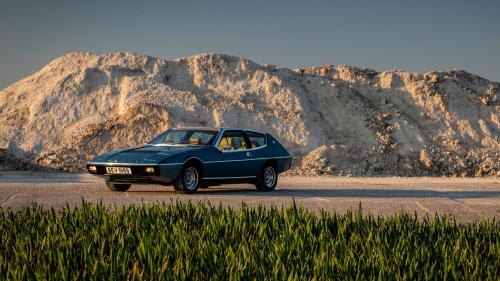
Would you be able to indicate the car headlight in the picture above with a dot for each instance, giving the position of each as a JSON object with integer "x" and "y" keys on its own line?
{"x": 150, "y": 170}
{"x": 92, "y": 169}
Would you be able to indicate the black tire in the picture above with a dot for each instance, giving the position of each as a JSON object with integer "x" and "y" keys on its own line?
{"x": 267, "y": 179}
{"x": 188, "y": 180}
{"x": 118, "y": 186}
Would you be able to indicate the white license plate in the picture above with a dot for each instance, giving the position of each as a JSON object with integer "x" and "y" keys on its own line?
{"x": 119, "y": 170}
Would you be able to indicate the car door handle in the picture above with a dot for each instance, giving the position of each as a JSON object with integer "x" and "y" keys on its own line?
{"x": 249, "y": 154}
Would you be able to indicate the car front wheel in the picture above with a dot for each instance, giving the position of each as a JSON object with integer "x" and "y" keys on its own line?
{"x": 117, "y": 186}
{"x": 267, "y": 179}
{"x": 188, "y": 180}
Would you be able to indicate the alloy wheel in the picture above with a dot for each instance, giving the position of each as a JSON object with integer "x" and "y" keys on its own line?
{"x": 269, "y": 176}
{"x": 191, "y": 178}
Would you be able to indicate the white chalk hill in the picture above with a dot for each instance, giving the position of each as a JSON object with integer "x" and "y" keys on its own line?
{"x": 337, "y": 120}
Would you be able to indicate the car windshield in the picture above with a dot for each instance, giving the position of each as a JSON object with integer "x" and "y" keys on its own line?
{"x": 185, "y": 137}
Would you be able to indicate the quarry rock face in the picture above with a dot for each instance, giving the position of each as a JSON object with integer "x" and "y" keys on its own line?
{"x": 334, "y": 120}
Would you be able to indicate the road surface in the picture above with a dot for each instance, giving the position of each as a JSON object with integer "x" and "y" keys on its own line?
{"x": 467, "y": 200}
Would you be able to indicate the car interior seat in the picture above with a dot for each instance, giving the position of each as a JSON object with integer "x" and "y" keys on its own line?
{"x": 223, "y": 142}
{"x": 237, "y": 143}
{"x": 195, "y": 140}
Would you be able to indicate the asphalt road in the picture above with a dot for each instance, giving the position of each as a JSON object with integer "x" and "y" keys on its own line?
{"x": 467, "y": 200}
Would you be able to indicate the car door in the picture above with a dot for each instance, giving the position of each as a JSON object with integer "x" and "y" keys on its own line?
{"x": 257, "y": 151}
{"x": 233, "y": 160}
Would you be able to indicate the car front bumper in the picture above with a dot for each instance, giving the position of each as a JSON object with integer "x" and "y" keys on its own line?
{"x": 163, "y": 174}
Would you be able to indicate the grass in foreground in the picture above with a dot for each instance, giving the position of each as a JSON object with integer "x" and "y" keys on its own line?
{"x": 184, "y": 241}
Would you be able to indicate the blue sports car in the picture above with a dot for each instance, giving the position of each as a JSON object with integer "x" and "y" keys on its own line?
{"x": 192, "y": 158}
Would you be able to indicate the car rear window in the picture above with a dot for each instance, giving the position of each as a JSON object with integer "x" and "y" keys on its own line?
{"x": 256, "y": 139}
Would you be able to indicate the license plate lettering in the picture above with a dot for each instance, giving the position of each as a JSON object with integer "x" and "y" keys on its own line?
{"x": 119, "y": 170}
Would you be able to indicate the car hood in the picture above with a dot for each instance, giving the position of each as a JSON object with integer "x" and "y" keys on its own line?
{"x": 148, "y": 154}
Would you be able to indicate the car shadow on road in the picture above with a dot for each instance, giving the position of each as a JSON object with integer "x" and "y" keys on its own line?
{"x": 368, "y": 193}
{"x": 205, "y": 191}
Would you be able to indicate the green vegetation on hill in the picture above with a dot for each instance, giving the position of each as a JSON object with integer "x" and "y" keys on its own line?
{"x": 200, "y": 242}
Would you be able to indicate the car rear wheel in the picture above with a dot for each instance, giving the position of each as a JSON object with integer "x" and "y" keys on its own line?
{"x": 267, "y": 179}
{"x": 188, "y": 180}
{"x": 118, "y": 186}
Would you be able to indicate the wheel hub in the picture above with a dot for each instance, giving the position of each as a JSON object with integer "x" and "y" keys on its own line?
{"x": 191, "y": 178}
{"x": 269, "y": 177}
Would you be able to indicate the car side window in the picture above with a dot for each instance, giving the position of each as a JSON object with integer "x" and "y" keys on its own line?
{"x": 256, "y": 139}
{"x": 233, "y": 140}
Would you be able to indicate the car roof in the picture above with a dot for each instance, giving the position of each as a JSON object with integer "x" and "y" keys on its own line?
{"x": 216, "y": 129}
{"x": 198, "y": 128}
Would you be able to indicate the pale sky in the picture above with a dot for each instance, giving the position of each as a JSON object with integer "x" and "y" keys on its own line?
{"x": 383, "y": 35}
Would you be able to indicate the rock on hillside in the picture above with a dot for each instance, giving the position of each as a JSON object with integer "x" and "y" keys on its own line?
{"x": 334, "y": 119}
